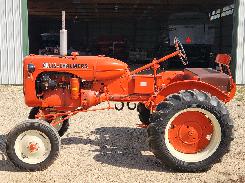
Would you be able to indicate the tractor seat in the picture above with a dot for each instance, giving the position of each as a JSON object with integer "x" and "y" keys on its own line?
{"x": 213, "y": 77}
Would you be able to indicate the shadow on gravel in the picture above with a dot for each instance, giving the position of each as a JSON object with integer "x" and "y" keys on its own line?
{"x": 5, "y": 164}
{"x": 122, "y": 147}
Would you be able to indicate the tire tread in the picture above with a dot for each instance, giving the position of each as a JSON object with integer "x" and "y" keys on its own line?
{"x": 182, "y": 100}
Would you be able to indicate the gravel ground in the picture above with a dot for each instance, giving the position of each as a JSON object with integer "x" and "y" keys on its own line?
{"x": 106, "y": 146}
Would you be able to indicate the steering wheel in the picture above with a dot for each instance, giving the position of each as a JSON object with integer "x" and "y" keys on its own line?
{"x": 179, "y": 47}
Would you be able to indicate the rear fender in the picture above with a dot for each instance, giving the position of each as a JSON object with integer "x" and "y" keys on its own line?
{"x": 191, "y": 85}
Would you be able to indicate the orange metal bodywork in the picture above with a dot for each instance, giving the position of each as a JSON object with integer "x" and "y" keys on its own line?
{"x": 109, "y": 80}
{"x": 91, "y": 68}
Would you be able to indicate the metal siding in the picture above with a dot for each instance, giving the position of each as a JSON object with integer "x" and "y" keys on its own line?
{"x": 11, "y": 53}
{"x": 24, "y": 23}
{"x": 240, "y": 65}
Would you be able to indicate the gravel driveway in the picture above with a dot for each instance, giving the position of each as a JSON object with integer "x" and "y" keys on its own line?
{"x": 106, "y": 146}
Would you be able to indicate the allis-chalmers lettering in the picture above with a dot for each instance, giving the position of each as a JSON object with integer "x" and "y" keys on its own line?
{"x": 63, "y": 65}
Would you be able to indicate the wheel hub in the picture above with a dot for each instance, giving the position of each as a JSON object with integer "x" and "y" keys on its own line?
{"x": 190, "y": 132}
{"x": 33, "y": 147}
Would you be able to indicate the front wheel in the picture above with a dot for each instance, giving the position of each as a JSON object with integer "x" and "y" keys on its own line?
{"x": 190, "y": 131}
{"x": 33, "y": 145}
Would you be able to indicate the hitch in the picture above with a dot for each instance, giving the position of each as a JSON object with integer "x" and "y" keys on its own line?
{"x": 119, "y": 108}
{"x": 131, "y": 108}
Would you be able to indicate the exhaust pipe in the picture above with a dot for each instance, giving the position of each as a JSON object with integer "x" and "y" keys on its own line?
{"x": 63, "y": 37}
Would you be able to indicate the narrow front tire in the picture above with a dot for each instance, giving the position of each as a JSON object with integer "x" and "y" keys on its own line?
{"x": 33, "y": 145}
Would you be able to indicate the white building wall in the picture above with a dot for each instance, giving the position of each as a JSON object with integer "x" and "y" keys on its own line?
{"x": 11, "y": 53}
{"x": 240, "y": 52}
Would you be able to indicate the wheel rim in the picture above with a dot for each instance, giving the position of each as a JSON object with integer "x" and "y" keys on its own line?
{"x": 193, "y": 135}
{"x": 32, "y": 147}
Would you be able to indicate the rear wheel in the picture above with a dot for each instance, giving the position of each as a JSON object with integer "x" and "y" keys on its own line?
{"x": 33, "y": 145}
{"x": 61, "y": 127}
{"x": 144, "y": 113}
{"x": 190, "y": 131}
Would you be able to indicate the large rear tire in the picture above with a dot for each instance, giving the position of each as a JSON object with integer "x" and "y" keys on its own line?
{"x": 190, "y": 131}
{"x": 61, "y": 127}
{"x": 33, "y": 145}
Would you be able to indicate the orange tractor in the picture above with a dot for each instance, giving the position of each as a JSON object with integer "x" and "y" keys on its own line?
{"x": 188, "y": 125}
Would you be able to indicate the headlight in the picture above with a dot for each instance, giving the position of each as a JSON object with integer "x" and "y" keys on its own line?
{"x": 30, "y": 68}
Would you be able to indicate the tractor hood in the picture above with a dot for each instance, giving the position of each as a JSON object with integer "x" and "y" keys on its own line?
{"x": 85, "y": 67}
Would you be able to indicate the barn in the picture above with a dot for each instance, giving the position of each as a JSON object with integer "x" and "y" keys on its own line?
{"x": 130, "y": 30}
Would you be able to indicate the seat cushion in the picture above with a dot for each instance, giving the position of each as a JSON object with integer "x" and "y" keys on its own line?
{"x": 213, "y": 77}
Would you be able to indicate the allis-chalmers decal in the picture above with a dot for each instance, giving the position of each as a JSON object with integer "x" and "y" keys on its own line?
{"x": 63, "y": 65}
